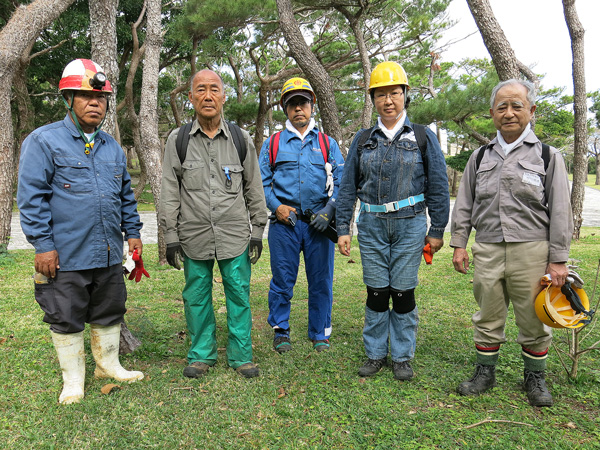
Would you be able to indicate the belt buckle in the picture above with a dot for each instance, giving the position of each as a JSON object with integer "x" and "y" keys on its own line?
{"x": 411, "y": 201}
{"x": 390, "y": 207}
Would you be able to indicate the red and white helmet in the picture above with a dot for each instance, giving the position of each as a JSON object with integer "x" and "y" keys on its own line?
{"x": 84, "y": 75}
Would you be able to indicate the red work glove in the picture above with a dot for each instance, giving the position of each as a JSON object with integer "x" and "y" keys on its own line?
{"x": 426, "y": 254}
{"x": 138, "y": 270}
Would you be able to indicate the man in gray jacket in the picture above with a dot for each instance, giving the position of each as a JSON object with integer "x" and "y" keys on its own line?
{"x": 213, "y": 207}
{"x": 520, "y": 206}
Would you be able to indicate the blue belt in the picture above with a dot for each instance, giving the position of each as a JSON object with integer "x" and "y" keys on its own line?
{"x": 392, "y": 206}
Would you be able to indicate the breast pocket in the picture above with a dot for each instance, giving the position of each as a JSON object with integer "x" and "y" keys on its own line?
{"x": 112, "y": 175}
{"x": 530, "y": 182}
{"x": 236, "y": 175}
{"x": 487, "y": 184}
{"x": 73, "y": 175}
{"x": 193, "y": 175}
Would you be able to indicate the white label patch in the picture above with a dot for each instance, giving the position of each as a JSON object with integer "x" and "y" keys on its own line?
{"x": 531, "y": 178}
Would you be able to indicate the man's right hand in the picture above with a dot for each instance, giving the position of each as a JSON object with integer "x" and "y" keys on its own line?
{"x": 47, "y": 263}
{"x": 460, "y": 259}
{"x": 283, "y": 213}
{"x": 175, "y": 255}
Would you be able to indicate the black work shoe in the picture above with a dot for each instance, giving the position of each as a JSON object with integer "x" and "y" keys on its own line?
{"x": 402, "y": 370}
{"x": 282, "y": 344}
{"x": 371, "y": 367}
{"x": 321, "y": 345}
{"x": 534, "y": 385}
{"x": 196, "y": 370}
{"x": 248, "y": 370}
{"x": 483, "y": 380}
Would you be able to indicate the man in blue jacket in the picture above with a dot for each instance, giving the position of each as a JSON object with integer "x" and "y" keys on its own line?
{"x": 301, "y": 169}
{"x": 76, "y": 202}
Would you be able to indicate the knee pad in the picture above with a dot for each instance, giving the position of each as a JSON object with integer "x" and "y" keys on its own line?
{"x": 378, "y": 299}
{"x": 403, "y": 301}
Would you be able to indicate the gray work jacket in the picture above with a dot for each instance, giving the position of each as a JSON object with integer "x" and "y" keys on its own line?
{"x": 511, "y": 198}
{"x": 209, "y": 213}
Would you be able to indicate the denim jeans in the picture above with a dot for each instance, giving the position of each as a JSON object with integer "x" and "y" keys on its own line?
{"x": 400, "y": 328}
{"x": 391, "y": 250}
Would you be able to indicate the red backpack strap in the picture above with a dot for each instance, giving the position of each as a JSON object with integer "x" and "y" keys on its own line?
{"x": 324, "y": 144}
{"x": 274, "y": 148}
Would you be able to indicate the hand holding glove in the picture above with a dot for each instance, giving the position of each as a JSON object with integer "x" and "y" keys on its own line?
{"x": 255, "y": 249}
{"x": 138, "y": 270}
{"x": 174, "y": 255}
{"x": 427, "y": 254}
{"x": 323, "y": 216}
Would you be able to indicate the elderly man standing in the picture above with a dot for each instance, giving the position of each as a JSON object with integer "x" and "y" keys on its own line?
{"x": 213, "y": 207}
{"x": 515, "y": 192}
{"x": 301, "y": 169}
{"x": 76, "y": 202}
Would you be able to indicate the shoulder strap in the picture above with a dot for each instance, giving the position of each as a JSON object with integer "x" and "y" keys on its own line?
{"x": 238, "y": 141}
{"x": 546, "y": 156}
{"x": 324, "y": 144}
{"x": 362, "y": 139}
{"x": 274, "y": 147}
{"x": 183, "y": 138}
{"x": 421, "y": 136}
{"x": 482, "y": 150}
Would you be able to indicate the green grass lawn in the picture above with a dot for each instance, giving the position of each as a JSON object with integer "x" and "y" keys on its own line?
{"x": 303, "y": 399}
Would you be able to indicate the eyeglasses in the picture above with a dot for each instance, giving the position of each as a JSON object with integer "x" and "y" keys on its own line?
{"x": 381, "y": 97}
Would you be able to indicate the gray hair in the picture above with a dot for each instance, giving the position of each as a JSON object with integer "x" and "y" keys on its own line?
{"x": 526, "y": 84}
{"x": 194, "y": 76}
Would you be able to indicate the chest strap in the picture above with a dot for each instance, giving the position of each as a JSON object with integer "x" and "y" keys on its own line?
{"x": 392, "y": 206}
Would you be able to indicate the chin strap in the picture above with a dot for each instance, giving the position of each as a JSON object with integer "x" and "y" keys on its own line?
{"x": 89, "y": 143}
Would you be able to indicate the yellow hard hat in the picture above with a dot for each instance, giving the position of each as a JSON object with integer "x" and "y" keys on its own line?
{"x": 387, "y": 73}
{"x": 558, "y": 310}
{"x": 297, "y": 84}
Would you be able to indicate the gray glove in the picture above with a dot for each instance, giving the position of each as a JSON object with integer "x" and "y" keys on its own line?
{"x": 174, "y": 255}
{"x": 255, "y": 249}
{"x": 324, "y": 216}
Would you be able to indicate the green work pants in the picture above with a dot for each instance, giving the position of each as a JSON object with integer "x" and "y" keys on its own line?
{"x": 200, "y": 315}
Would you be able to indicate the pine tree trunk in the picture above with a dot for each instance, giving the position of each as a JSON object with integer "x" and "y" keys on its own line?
{"x": 577, "y": 32}
{"x": 18, "y": 34}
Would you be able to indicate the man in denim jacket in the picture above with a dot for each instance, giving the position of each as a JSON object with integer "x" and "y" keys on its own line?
{"x": 76, "y": 202}
{"x": 522, "y": 212}
{"x": 389, "y": 176}
{"x": 298, "y": 181}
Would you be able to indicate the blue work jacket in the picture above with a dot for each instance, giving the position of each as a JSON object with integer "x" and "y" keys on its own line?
{"x": 298, "y": 178}
{"x": 79, "y": 205}
{"x": 392, "y": 170}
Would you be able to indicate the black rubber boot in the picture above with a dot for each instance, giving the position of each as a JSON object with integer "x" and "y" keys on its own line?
{"x": 483, "y": 380}
{"x": 534, "y": 385}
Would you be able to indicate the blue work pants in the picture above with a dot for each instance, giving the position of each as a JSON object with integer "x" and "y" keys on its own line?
{"x": 285, "y": 244}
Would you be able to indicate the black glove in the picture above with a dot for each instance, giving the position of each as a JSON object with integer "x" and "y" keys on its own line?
{"x": 323, "y": 216}
{"x": 255, "y": 249}
{"x": 292, "y": 218}
{"x": 174, "y": 255}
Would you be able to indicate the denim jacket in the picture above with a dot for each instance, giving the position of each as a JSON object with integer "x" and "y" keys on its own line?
{"x": 387, "y": 171}
{"x": 79, "y": 205}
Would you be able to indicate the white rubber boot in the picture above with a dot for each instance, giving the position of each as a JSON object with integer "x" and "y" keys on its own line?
{"x": 71, "y": 357}
{"x": 105, "y": 348}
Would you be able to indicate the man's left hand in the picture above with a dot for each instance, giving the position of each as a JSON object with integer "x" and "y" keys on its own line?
{"x": 255, "y": 249}
{"x": 323, "y": 216}
{"x": 135, "y": 244}
{"x": 434, "y": 243}
{"x": 558, "y": 272}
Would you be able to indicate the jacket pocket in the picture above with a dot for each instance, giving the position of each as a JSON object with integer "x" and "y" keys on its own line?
{"x": 529, "y": 186}
{"x": 487, "y": 181}
{"x": 72, "y": 175}
{"x": 236, "y": 173}
{"x": 193, "y": 175}
{"x": 112, "y": 175}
